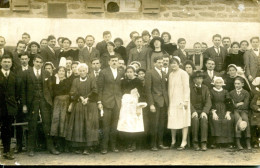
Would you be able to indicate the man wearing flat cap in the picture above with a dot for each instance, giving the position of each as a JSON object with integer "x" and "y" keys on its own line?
{"x": 200, "y": 106}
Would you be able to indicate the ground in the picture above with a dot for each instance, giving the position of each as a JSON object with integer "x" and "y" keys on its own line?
{"x": 143, "y": 157}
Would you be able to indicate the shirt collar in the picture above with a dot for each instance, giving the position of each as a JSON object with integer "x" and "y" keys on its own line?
{"x": 35, "y": 70}
{"x": 82, "y": 80}
{"x": 113, "y": 70}
{"x": 159, "y": 71}
{"x": 25, "y": 67}
{"x": 198, "y": 85}
{"x": 4, "y": 71}
{"x": 218, "y": 90}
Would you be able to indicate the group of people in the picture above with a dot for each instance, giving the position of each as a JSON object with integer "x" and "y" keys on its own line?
{"x": 100, "y": 98}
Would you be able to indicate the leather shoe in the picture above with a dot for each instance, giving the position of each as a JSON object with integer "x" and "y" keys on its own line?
{"x": 154, "y": 149}
{"x": 172, "y": 146}
{"x": 213, "y": 146}
{"x": 196, "y": 146}
{"x": 163, "y": 147}
{"x": 85, "y": 152}
{"x": 115, "y": 150}
{"x": 104, "y": 151}
{"x": 8, "y": 156}
{"x": 18, "y": 150}
{"x": 31, "y": 153}
{"x": 54, "y": 151}
{"x": 203, "y": 146}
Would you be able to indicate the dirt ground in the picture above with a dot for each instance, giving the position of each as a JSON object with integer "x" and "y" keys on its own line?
{"x": 143, "y": 157}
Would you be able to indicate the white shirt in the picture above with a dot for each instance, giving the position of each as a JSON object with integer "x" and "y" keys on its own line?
{"x": 216, "y": 49}
{"x": 89, "y": 49}
{"x": 160, "y": 73}
{"x": 95, "y": 72}
{"x": 35, "y": 71}
{"x": 256, "y": 52}
{"x": 184, "y": 52}
{"x": 6, "y": 73}
{"x": 165, "y": 70}
{"x": 24, "y": 68}
{"x": 211, "y": 73}
{"x": 114, "y": 71}
{"x": 2, "y": 51}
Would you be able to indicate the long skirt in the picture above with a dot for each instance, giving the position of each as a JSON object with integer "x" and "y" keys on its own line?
{"x": 60, "y": 108}
{"x": 83, "y": 125}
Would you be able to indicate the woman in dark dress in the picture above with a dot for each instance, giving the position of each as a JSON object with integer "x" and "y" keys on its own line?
{"x": 243, "y": 46}
{"x": 59, "y": 88}
{"x": 221, "y": 119}
{"x": 235, "y": 57}
{"x": 120, "y": 49}
{"x": 167, "y": 46}
{"x": 33, "y": 48}
{"x": 189, "y": 67}
{"x": 83, "y": 125}
{"x": 67, "y": 51}
{"x": 130, "y": 121}
{"x": 110, "y": 52}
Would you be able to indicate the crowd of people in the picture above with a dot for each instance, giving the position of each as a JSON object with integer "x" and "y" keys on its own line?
{"x": 135, "y": 97}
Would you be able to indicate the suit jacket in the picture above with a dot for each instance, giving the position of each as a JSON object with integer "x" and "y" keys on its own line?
{"x": 7, "y": 52}
{"x": 200, "y": 66}
{"x": 141, "y": 57}
{"x": 251, "y": 63}
{"x": 109, "y": 89}
{"x": 19, "y": 76}
{"x": 28, "y": 87}
{"x": 102, "y": 47}
{"x": 207, "y": 80}
{"x": 129, "y": 47}
{"x": 86, "y": 57}
{"x": 206, "y": 100}
{"x": 49, "y": 56}
{"x": 211, "y": 53}
{"x": 8, "y": 94}
{"x": 180, "y": 54}
{"x": 156, "y": 88}
{"x": 242, "y": 97}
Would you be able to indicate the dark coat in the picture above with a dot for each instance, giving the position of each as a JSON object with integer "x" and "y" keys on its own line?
{"x": 243, "y": 97}
{"x": 109, "y": 89}
{"x": 141, "y": 57}
{"x": 122, "y": 51}
{"x": 8, "y": 94}
{"x": 105, "y": 58}
{"x": 28, "y": 87}
{"x": 86, "y": 57}
{"x": 207, "y": 80}
{"x": 19, "y": 76}
{"x": 180, "y": 54}
{"x": 206, "y": 100}
{"x": 251, "y": 63}
{"x": 49, "y": 56}
{"x": 156, "y": 88}
{"x": 129, "y": 47}
{"x": 101, "y": 47}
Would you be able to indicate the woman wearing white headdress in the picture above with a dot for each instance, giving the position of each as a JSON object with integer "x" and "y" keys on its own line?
{"x": 179, "y": 115}
{"x": 221, "y": 118}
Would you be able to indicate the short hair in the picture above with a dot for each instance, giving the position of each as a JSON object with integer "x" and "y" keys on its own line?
{"x": 65, "y": 38}
{"x": 20, "y": 42}
{"x": 60, "y": 38}
{"x": 106, "y": 33}
{"x": 90, "y": 36}
{"x": 138, "y": 37}
{"x": 197, "y": 43}
{"x": 169, "y": 35}
{"x": 189, "y": 62}
{"x": 26, "y": 34}
{"x": 6, "y": 57}
{"x": 244, "y": 41}
{"x": 95, "y": 59}
{"x": 155, "y": 59}
{"x": 155, "y": 30}
{"x": 119, "y": 39}
{"x": 132, "y": 33}
{"x": 34, "y": 43}
{"x": 141, "y": 70}
{"x": 75, "y": 62}
{"x": 43, "y": 40}
{"x": 51, "y": 37}
{"x": 240, "y": 79}
{"x": 209, "y": 59}
{"x": 80, "y": 38}
{"x": 145, "y": 32}
{"x": 235, "y": 43}
{"x": 203, "y": 43}
{"x": 216, "y": 35}
{"x": 37, "y": 56}
{"x": 23, "y": 54}
{"x": 257, "y": 38}
{"x": 112, "y": 57}
{"x": 226, "y": 38}
{"x": 180, "y": 40}
{"x": 110, "y": 43}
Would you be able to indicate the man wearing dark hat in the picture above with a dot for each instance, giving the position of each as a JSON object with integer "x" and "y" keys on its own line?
{"x": 200, "y": 106}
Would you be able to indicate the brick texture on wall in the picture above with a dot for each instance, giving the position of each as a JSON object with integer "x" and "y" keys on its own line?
{"x": 177, "y": 10}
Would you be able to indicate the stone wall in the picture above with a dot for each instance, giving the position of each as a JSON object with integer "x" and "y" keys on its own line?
{"x": 176, "y": 10}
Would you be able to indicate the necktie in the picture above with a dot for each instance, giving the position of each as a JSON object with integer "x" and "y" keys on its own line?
{"x": 238, "y": 92}
{"x": 6, "y": 74}
{"x": 37, "y": 74}
{"x": 89, "y": 49}
{"x": 211, "y": 74}
{"x": 96, "y": 73}
{"x": 218, "y": 50}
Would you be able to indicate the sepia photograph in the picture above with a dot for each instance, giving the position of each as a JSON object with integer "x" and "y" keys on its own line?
{"x": 129, "y": 82}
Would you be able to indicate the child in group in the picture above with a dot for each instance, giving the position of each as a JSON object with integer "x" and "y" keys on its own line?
{"x": 221, "y": 120}
{"x": 240, "y": 98}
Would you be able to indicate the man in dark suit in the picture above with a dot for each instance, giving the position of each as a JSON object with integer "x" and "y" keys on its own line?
{"x": 131, "y": 45}
{"x": 157, "y": 98}
{"x": 26, "y": 38}
{"x": 109, "y": 88}
{"x": 49, "y": 54}
{"x": 210, "y": 73}
{"x": 102, "y": 46}
{"x": 166, "y": 61}
{"x": 21, "y": 117}
{"x": 217, "y": 53}
{"x": 8, "y": 104}
{"x": 200, "y": 106}
{"x": 36, "y": 97}
{"x": 226, "y": 42}
{"x": 3, "y": 51}
{"x": 89, "y": 52}
{"x": 181, "y": 53}
{"x": 252, "y": 60}
{"x": 139, "y": 53}
{"x": 95, "y": 66}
